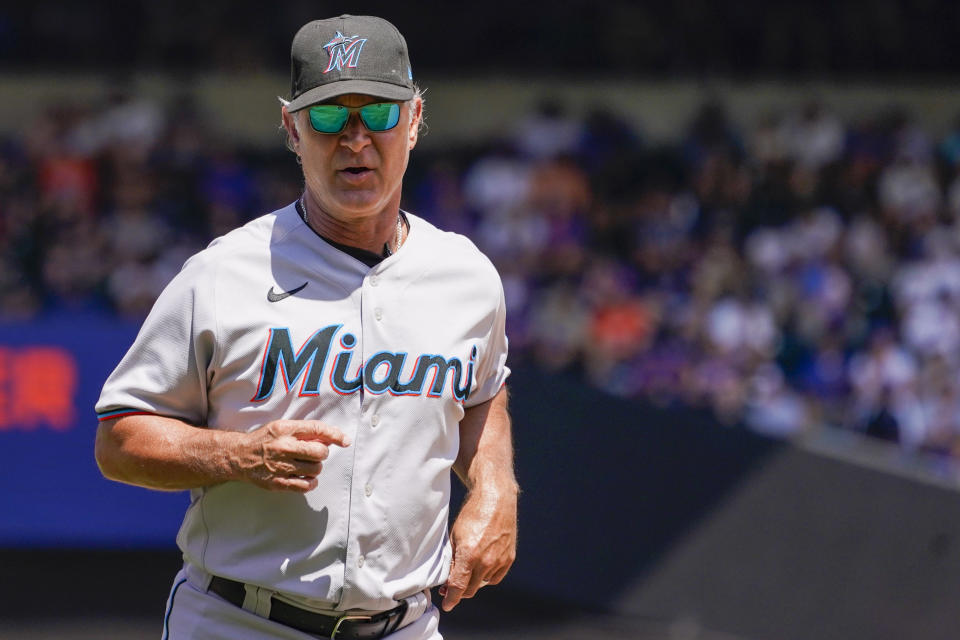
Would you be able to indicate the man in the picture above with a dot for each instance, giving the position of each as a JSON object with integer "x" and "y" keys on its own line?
{"x": 313, "y": 376}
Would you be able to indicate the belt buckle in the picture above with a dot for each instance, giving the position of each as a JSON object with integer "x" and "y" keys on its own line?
{"x": 345, "y": 618}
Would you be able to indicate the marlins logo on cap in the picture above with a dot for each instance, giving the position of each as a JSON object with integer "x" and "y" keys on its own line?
{"x": 343, "y": 51}
{"x": 348, "y": 54}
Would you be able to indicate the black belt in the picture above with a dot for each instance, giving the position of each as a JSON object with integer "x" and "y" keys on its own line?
{"x": 345, "y": 627}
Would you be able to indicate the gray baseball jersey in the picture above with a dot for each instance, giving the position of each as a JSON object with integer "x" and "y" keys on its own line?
{"x": 271, "y": 321}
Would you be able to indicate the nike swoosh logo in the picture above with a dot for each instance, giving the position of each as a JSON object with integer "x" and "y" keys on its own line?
{"x": 277, "y": 297}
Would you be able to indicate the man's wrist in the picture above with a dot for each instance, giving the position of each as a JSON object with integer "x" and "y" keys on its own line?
{"x": 228, "y": 456}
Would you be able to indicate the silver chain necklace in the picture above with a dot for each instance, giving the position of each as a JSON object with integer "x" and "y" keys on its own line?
{"x": 399, "y": 232}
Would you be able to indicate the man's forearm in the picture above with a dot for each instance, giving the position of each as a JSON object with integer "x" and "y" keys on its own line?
{"x": 484, "y": 535}
{"x": 485, "y": 459}
{"x": 164, "y": 453}
{"x": 168, "y": 454}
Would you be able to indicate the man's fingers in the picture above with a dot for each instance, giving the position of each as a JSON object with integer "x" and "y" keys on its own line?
{"x": 452, "y": 590}
{"x": 299, "y": 485}
{"x": 315, "y": 430}
{"x": 476, "y": 582}
{"x": 306, "y": 468}
{"x": 499, "y": 575}
{"x": 498, "y": 568}
{"x": 457, "y": 583}
{"x": 451, "y": 597}
{"x": 456, "y": 591}
{"x": 310, "y": 450}
{"x": 467, "y": 578}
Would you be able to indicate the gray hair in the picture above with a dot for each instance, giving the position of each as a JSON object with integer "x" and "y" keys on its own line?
{"x": 417, "y": 95}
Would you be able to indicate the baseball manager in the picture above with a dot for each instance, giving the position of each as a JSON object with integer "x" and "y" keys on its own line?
{"x": 313, "y": 376}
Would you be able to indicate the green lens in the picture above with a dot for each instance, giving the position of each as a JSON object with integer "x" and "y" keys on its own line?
{"x": 380, "y": 116}
{"x": 328, "y": 118}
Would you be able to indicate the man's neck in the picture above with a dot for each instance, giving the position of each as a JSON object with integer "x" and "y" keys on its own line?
{"x": 369, "y": 233}
{"x": 367, "y": 257}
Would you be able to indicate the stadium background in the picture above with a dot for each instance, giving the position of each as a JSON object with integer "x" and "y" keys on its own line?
{"x": 728, "y": 235}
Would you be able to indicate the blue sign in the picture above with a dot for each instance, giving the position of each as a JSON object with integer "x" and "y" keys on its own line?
{"x": 51, "y": 372}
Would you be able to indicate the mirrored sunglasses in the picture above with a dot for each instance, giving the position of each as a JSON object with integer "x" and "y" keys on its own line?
{"x": 332, "y": 118}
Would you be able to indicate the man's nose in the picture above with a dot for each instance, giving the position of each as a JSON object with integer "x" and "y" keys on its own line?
{"x": 355, "y": 135}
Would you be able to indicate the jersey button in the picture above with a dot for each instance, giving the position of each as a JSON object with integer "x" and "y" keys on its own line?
{"x": 368, "y": 490}
{"x": 360, "y": 561}
{"x": 375, "y": 420}
{"x": 378, "y": 313}
{"x": 374, "y": 280}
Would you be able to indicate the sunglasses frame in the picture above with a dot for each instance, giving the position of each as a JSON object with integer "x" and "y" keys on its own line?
{"x": 394, "y": 115}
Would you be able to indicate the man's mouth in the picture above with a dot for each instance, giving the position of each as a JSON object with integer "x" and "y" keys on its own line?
{"x": 356, "y": 175}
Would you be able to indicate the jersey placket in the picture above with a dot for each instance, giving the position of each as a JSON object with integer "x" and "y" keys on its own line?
{"x": 363, "y": 518}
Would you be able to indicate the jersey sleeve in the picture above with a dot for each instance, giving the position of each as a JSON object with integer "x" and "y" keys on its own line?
{"x": 165, "y": 371}
{"x": 491, "y": 368}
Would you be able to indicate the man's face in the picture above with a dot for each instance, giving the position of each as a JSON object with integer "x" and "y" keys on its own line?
{"x": 355, "y": 173}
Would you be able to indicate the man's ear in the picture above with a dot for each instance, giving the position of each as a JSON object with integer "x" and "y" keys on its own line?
{"x": 416, "y": 113}
{"x": 290, "y": 124}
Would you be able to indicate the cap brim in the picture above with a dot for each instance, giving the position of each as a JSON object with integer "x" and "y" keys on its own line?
{"x": 342, "y": 87}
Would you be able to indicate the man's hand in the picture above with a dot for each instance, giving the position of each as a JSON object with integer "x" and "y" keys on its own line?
{"x": 286, "y": 455}
{"x": 484, "y": 539}
{"x": 484, "y": 535}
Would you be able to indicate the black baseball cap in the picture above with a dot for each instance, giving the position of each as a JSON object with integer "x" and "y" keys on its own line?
{"x": 349, "y": 54}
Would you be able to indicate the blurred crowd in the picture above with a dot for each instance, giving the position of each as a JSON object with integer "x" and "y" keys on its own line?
{"x": 618, "y": 38}
{"x": 799, "y": 273}
{"x": 101, "y": 204}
